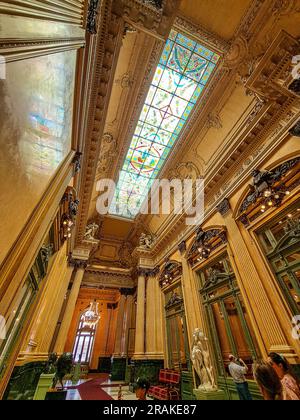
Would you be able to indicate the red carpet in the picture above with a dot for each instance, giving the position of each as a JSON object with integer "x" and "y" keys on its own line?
{"x": 91, "y": 390}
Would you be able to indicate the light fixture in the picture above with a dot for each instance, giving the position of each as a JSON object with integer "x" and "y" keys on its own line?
{"x": 91, "y": 317}
{"x": 204, "y": 252}
{"x": 272, "y": 197}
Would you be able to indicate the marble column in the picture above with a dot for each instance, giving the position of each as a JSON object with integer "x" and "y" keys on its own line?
{"x": 139, "y": 352}
{"x": 67, "y": 318}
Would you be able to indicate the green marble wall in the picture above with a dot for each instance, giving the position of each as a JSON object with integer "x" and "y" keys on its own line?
{"x": 23, "y": 381}
{"x": 187, "y": 386}
{"x": 229, "y": 388}
{"x": 147, "y": 369}
{"x": 118, "y": 370}
{"x": 104, "y": 365}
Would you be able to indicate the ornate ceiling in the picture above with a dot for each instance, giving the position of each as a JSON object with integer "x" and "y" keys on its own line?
{"x": 221, "y": 134}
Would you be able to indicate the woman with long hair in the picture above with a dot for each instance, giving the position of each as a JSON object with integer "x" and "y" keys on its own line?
{"x": 289, "y": 381}
{"x": 268, "y": 381}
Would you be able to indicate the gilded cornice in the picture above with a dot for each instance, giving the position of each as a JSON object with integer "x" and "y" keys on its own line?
{"x": 107, "y": 43}
{"x": 107, "y": 277}
{"x": 63, "y": 11}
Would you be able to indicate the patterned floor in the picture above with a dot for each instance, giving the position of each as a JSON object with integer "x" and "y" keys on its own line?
{"x": 110, "y": 387}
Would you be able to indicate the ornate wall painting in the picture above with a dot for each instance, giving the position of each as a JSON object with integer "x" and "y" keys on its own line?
{"x": 36, "y": 112}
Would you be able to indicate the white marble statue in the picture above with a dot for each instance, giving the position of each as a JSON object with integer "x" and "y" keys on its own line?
{"x": 146, "y": 241}
{"x": 202, "y": 362}
{"x": 91, "y": 231}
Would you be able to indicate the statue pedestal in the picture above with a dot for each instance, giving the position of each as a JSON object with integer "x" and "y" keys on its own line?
{"x": 202, "y": 395}
{"x": 45, "y": 382}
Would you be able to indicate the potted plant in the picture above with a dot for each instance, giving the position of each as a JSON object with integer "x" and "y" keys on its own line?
{"x": 63, "y": 367}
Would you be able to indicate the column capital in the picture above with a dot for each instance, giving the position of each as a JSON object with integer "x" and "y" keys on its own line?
{"x": 147, "y": 272}
{"x": 126, "y": 291}
{"x": 76, "y": 263}
{"x": 224, "y": 207}
{"x": 182, "y": 247}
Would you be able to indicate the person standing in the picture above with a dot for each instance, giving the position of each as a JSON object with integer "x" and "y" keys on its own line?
{"x": 290, "y": 383}
{"x": 267, "y": 381}
{"x": 238, "y": 369}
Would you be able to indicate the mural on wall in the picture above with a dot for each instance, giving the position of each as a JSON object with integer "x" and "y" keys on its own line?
{"x": 36, "y": 103}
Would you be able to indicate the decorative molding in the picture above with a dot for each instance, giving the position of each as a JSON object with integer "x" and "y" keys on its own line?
{"x": 185, "y": 170}
{"x": 107, "y": 278}
{"x": 126, "y": 81}
{"x": 285, "y": 7}
{"x": 214, "y": 121}
{"x": 148, "y": 16}
{"x": 63, "y": 11}
{"x": 25, "y": 49}
{"x": 105, "y": 46}
{"x": 198, "y": 32}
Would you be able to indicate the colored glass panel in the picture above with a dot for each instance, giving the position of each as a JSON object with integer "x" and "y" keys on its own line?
{"x": 184, "y": 69}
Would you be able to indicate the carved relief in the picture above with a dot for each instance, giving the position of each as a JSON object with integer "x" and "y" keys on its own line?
{"x": 108, "y": 152}
{"x": 185, "y": 170}
{"x": 126, "y": 81}
{"x": 214, "y": 121}
{"x": 237, "y": 53}
{"x": 125, "y": 255}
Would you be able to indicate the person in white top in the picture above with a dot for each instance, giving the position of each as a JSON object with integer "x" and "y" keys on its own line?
{"x": 238, "y": 369}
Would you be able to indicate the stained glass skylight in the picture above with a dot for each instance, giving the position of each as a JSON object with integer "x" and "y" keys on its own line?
{"x": 184, "y": 69}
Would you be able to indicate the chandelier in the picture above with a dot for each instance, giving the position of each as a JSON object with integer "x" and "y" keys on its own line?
{"x": 204, "y": 252}
{"x": 91, "y": 317}
{"x": 272, "y": 198}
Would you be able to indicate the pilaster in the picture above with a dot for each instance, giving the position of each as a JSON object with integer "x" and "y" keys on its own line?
{"x": 261, "y": 308}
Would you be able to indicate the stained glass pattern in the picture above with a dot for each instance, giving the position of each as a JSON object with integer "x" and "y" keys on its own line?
{"x": 184, "y": 69}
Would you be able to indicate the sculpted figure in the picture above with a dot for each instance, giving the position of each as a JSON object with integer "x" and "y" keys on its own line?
{"x": 202, "y": 362}
{"x": 91, "y": 231}
{"x": 146, "y": 241}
